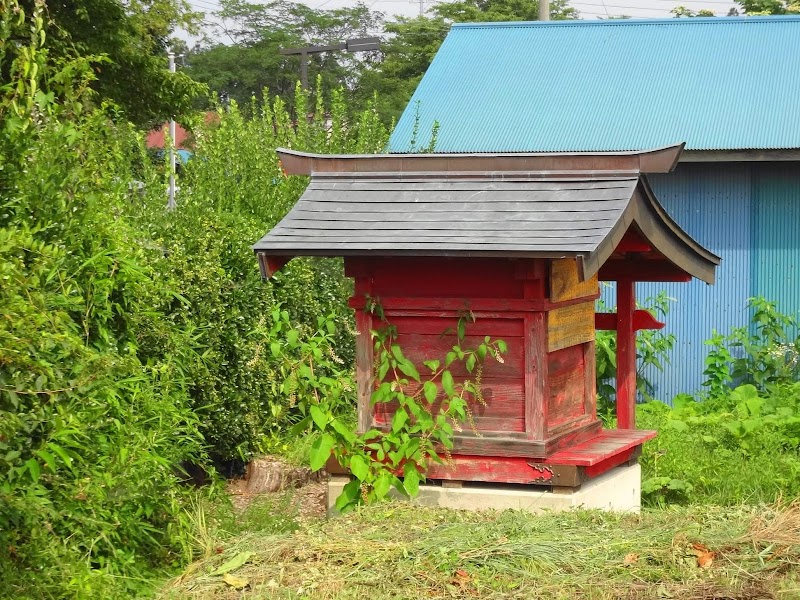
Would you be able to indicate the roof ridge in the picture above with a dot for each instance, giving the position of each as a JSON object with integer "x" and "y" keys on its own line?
{"x": 629, "y": 22}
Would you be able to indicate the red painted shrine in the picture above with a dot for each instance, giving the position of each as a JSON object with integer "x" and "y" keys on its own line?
{"x": 522, "y": 242}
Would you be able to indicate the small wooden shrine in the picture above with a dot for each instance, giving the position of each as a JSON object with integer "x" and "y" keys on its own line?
{"x": 521, "y": 241}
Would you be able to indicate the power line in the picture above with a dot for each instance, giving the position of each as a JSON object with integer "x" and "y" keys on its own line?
{"x": 205, "y": 4}
{"x": 636, "y": 8}
{"x": 321, "y": 5}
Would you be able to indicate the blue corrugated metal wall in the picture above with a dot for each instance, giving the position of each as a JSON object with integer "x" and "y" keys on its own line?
{"x": 776, "y": 235}
{"x": 747, "y": 213}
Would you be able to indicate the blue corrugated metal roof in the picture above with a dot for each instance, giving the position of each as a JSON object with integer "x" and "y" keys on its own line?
{"x": 717, "y": 84}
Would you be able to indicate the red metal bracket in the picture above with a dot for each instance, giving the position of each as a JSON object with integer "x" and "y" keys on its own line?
{"x": 642, "y": 319}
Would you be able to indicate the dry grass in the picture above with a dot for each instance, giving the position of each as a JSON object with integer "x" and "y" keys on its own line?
{"x": 399, "y": 551}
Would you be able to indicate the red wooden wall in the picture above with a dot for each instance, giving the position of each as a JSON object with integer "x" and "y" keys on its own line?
{"x": 535, "y": 401}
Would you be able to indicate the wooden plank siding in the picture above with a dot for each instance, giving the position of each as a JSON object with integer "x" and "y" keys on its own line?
{"x": 539, "y": 395}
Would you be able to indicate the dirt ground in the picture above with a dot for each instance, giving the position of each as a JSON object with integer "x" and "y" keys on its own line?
{"x": 271, "y": 475}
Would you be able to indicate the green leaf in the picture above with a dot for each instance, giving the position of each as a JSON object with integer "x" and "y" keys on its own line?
{"x": 275, "y": 348}
{"x": 502, "y": 347}
{"x": 395, "y": 457}
{"x": 433, "y": 365}
{"x": 383, "y": 484}
{"x": 358, "y": 467}
{"x": 411, "y": 479}
{"x": 448, "y": 384}
{"x": 344, "y": 431}
{"x": 458, "y": 406}
{"x": 431, "y": 390}
{"x": 462, "y": 328}
{"x": 48, "y": 458}
{"x": 300, "y": 426}
{"x": 383, "y": 369}
{"x": 397, "y": 352}
{"x": 233, "y": 564}
{"x": 677, "y": 425}
{"x": 320, "y": 418}
{"x": 408, "y": 369}
{"x": 321, "y": 451}
{"x": 34, "y": 469}
{"x": 399, "y": 419}
{"x": 292, "y": 337}
{"x": 349, "y": 496}
{"x": 471, "y": 362}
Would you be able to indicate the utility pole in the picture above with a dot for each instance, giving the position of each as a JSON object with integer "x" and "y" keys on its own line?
{"x": 421, "y": 8}
{"x": 544, "y": 10}
{"x": 171, "y": 201}
{"x": 351, "y": 45}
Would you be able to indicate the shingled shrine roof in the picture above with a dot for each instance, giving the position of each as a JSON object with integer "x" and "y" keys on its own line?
{"x": 503, "y": 205}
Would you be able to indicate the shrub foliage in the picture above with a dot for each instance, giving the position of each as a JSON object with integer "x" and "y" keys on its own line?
{"x": 94, "y": 411}
{"x": 731, "y": 445}
{"x": 129, "y": 334}
{"x": 232, "y": 192}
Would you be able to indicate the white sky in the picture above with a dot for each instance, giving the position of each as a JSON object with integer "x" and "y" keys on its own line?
{"x": 588, "y": 9}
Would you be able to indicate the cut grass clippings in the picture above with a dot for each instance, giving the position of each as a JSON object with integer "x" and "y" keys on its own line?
{"x": 402, "y": 551}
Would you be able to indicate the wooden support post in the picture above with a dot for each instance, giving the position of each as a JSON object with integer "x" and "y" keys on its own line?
{"x": 536, "y": 376}
{"x": 626, "y": 354}
{"x": 590, "y": 380}
{"x": 364, "y": 356}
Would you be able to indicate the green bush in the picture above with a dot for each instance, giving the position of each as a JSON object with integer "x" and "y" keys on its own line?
{"x": 740, "y": 447}
{"x": 232, "y": 192}
{"x": 128, "y": 331}
{"x": 765, "y": 354}
{"x": 95, "y": 412}
{"x": 95, "y": 417}
{"x": 735, "y": 445}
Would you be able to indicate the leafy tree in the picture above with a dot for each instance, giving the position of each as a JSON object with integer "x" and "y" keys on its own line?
{"x": 411, "y": 45}
{"x": 94, "y": 414}
{"x": 240, "y": 71}
{"x": 128, "y": 42}
{"x": 253, "y": 62}
{"x": 770, "y": 7}
{"x": 682, "y": 11}
{"x": 749, "y": 7}
{"x": 475, "y": 11}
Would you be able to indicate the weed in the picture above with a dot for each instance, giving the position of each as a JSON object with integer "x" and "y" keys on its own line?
{"x": 743, "y": 446}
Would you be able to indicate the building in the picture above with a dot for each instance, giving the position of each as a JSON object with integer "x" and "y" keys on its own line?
{"x": 428, "y": 237}
{"x": 727, "y": 87}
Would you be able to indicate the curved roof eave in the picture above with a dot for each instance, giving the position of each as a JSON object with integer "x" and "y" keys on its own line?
{"x": 661, "y": 232}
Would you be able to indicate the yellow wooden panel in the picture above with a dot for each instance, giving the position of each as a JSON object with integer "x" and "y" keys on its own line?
{"x": 564, "y": 282}
{"x": 570, "y": 325}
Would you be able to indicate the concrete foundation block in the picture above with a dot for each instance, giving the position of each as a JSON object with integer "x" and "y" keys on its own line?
{"x": 618, "y": 490}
